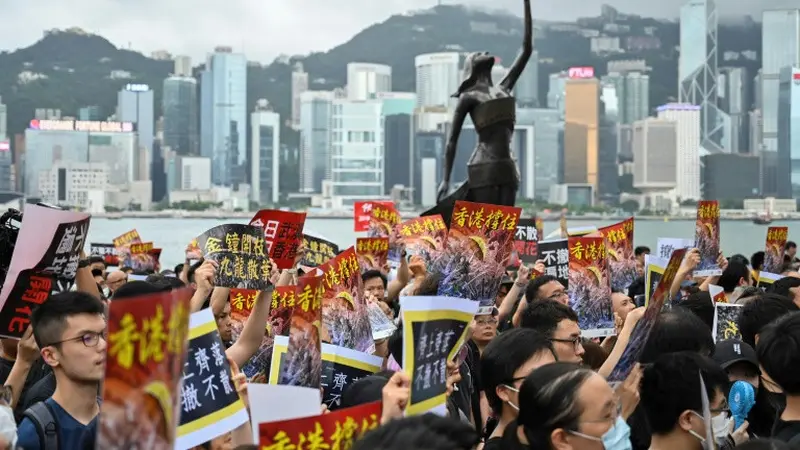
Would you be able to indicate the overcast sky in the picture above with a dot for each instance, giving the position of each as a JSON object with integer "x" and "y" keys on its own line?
{"x": 267, "y": 28}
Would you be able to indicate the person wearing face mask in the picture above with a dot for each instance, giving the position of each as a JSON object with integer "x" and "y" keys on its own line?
{"x": 671, "y": 396}
{"x": 505, "y": 363}
{"x": 739, "y": 361}
{"x": 8, "y": 424}
{"x": 567, "y": 407}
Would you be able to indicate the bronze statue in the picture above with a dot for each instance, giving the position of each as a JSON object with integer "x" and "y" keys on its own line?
{"x": 492, "y": 174}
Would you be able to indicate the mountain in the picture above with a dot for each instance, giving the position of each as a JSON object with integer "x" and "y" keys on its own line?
{"x": 77, "y": 65}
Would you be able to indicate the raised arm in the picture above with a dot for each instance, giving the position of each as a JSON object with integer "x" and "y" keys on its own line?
{"x": 462, "y": 109}
{"x": 510, "y": 80}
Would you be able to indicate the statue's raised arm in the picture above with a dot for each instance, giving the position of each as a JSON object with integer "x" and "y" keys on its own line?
{"x": 516, "y": 69}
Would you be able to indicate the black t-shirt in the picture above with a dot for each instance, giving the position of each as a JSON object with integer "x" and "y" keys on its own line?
{"x": 39, "y": 370}
{"x": 495, "y": 443}
{"x": 786, "y": 431}
{"x": 769, "y": 406}
{"x": 474, "y": 363}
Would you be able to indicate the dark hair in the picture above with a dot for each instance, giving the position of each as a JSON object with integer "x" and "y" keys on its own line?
{"x": 192, "y": 269}
{"x": 789, "y": 245}
{"x": 701, "y": 304}
{"x": 671, "y": 385}
{"x": 784, "y": 286}
{"x": 94, "y": 259}
{"x": 138, "y": 288}
{"x": 641, "y": 249}
{"x": 366, "y": 390}
{"x": 739, "y": 258}
{"x": 504, "y": 355}
{"x": 757, "y": 260}
{"x": 759, "y": 312}
{"x": 594, "y": 355}
{"x": 532, "y": 291}
{"x": 779, "y": 352}
{"x": 126, "y": 269}
{"x": 730, "y": 277}
{"x": 247, "y": 447}
{"x": 49, "y": 320}
{"x": 178, "y": 269}
{"x": 636, "y": 288}
{"x": 429, "y": 284}
{"x": 548, "y": 399}
{"x": 425, "y": 432}
{"x": 677, "y": 330}
{"x": 544, "y": 316}
{"x": 370, "y": 274}
{"x": 97, "y": 272}
{"x": 763, "y": 444}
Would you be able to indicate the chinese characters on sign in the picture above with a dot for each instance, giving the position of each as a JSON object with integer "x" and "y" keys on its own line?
{"x": 555, "y": 255}
{"x": 372, "y": 253}
{"x": 283, "y": 231}
{"x": 345, "y": 317}
{"x": 419, "y": 226}
{"x": 774, "y": 248}
{"x": 707, "y": 237}
{"x": 484, "y": 217}
{"x": 139, "y": 248}
{"x": 303, "y": 360}
{"x": 242, "y": 255}
{"x": 364, "y": 214}
{"x": 125, "y": 240}
{"x": 434, "y": 340}
{"x": 243, "y": 300}
{"x": 335, "y": 431}
{"x": 342, "y": 367}
{"x": 726, "y": 318}
{"x": 590, "y": 285}
{"x": 526, "y": 239}
{"x": 107, "y": 251}
{"x": 317, "y": 251}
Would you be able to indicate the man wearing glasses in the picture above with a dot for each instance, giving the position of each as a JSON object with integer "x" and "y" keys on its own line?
{"x": 70, "y": 330}
{"x": 560, "y": 324}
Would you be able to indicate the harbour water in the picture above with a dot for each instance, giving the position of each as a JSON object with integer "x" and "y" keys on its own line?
{"x": 172, "y": 235}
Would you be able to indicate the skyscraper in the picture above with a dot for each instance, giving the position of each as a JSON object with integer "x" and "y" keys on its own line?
{"x": 438, "y": 77}
{"x": 364, "y": 80}
{"x": 299, "y": 85}
{"x": 687, "y": 120}
{"x": 135, "y": 104}
{"x": 633, "y": 94}
{"x": 789, "y": 133}
{"x": 734, "y": 100}
{"x": 527, "y": 89}
{"x": 183, "y": 66}
{"x": 315, "y": 128}
{"x": 547, "y": 127}
{"x": 655, "y": 154}
{"x": 780, "y": 47}
{"x": 357, "y": 152}
{"x": 265, "y": 142}
{"x": 697, "y": 70}
{"x": 3, "y": 119}
{"x": 582, "y": 118}
{"x": 398, "y": 111}
{"x": 224, "y": 116}
{"x": 179, "y": 106}
{"x": 556, "y": 91}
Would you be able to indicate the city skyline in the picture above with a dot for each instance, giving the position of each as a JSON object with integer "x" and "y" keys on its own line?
{"x": 162, "y": 26}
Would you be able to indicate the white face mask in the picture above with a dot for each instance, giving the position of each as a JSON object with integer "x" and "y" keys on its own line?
{"x": 721, "y": 426}
{"x": 8, "y": 425}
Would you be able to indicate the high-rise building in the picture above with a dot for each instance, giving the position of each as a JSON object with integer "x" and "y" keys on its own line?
{"x": 315, "y": 139}
{"x": 89, "y": 113}
{"x": 357, "y": 152}
{"x": 556, "y": 92}
{"x": 780, "y": 47}
{"x": 687, "y": 120}
{"x": 265, "y": 158}
{"x": 135, "y": 105}
{"x": 734, "y": 100}
{"x": 547, "y": 126}
{"x": 7, "y": 182}
{"x": 655, "y": 154}
{"x": 731, "y": 177}
{"x": 299, "y": 85}
{"x": 789, "y": 133}
{"x": 498, "y": 73}
{"x": 194, "y": 173}
{"x": 428, "y": 156}
{"x": 398, "y": 124}
{"x": 76, "y": 184}
{"x": 438, "y": 77}
{"x": 633, "y": 90}
{"x": 697, "y": 70}
{"x": 581, "y": 122}
{"x": 183, "y": 66}
{"x": 365, "y": 80}
{"x": 223, "y": 124}
{"x": 526, "y": 91}
{"x": 3, "y": 120}
{"x": 179, "y": 106}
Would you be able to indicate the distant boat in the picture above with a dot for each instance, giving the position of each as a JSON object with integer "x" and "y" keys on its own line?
{"x": 766, "y": 220}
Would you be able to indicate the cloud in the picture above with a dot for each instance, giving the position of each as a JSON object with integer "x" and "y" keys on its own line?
{"x": 265, "y": 29}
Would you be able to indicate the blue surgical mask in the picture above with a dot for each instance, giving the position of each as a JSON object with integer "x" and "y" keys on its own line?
{"x": 618, "y": 437}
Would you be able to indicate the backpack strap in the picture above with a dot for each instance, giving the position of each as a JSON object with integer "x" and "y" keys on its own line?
{"x": 46, "y": 424}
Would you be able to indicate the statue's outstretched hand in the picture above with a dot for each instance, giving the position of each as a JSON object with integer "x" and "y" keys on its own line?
{"x": 444, "y": 189}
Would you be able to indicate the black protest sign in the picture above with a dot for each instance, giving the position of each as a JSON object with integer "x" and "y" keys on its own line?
{"x": 317, "y": 251}
{"x": 434, "y": 340}
{"x": 726, "y": 321}
{"x": 340, "y": 371}
{"x": 555, "y": 255}
{"x": 241, "y": 253}
{"x": 526, "y": 240}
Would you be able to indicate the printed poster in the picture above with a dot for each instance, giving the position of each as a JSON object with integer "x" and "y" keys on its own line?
{"x": 49, "y": 245}
{"x": 126, "y": 239}
{"x": 345, "y": 320}
{"x": 210, "y": 404}
{"x": 477, "y": 251}
{"x": 765, "y": 279}
{"x": 283, "y": 233}
{"x": 621, "y": 260}
{"x": 382, "y": 326}
{"x": 341, "y": 367}
{"x": 242, "y": 255}
{"x": 377, "y": 218}
{"x": 434, "y": 329}
{"x": 372, "y": 253}
{"x": 555, "y": 255}
{"x": 717, "y": 294}
{"x": 147, "y": 339}
{"x": 589, "y": 286}
{"x": 654, "y": 268}
{"x": 317, "y": 251}
{"x": 242, "y": 302}
{"x": 707, "y": 238}
{"x": 303, "y": 366}
{"x": 726, "y": 320}
{"x": 641, "y": 333}
{"x": 666, "y": 246}
{"x": 526, "y": 240}
{"x": 776, "y": 243}
{"x": 337, "y": 430}
{"x": 141, "y": 257}
{"x": 423, "y": 237}
{"x": 257, "y": 369}
{"x": 107, "y": 251}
